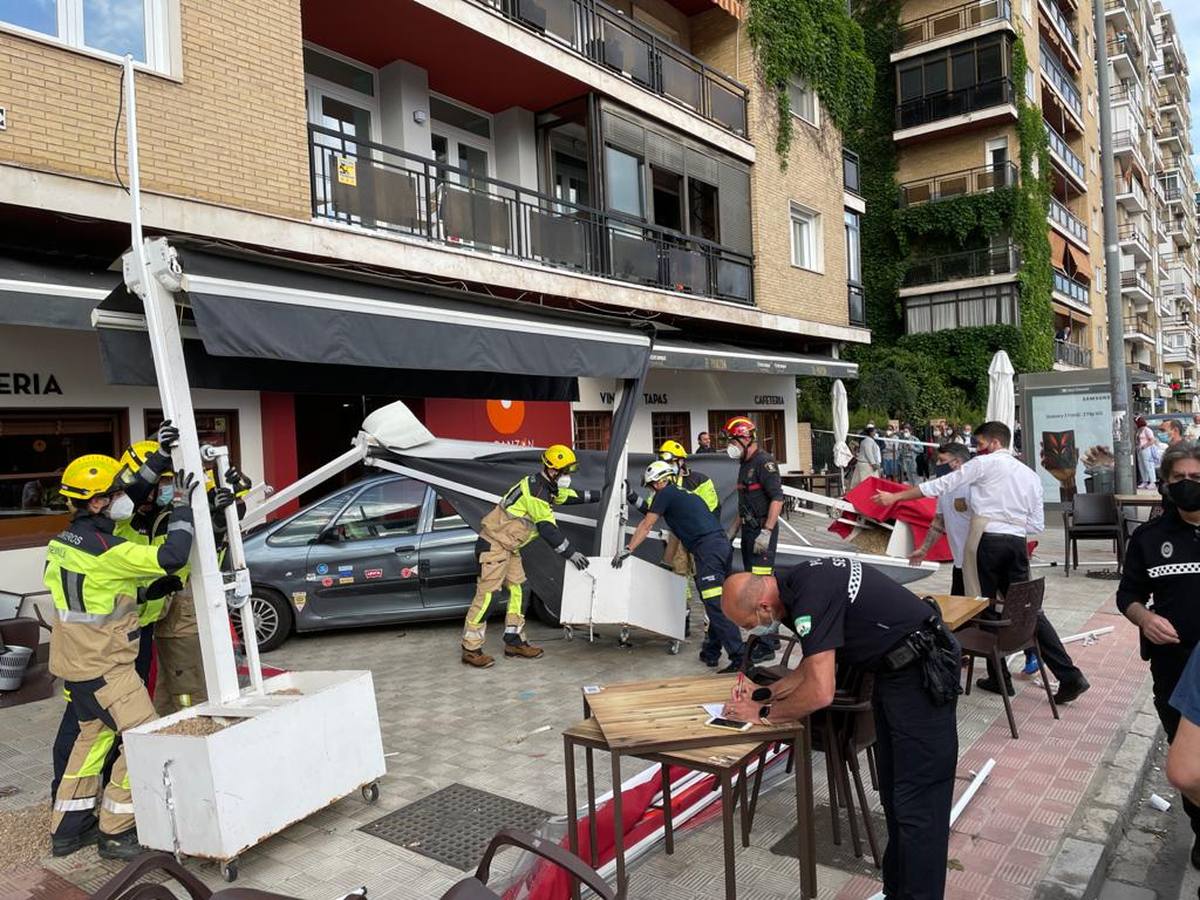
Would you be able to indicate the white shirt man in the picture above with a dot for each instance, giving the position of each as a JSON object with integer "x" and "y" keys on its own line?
{"x": 1193, "y": 430}
{"x": 953, "y": 517}
{"x": 1009, "y": 495}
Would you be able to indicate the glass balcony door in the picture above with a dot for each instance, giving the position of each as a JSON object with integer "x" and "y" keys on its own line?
{"x": 355, "y": 118}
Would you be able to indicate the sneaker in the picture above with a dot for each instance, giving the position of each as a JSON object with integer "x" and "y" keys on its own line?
{"x": 1031, "y": 665}
{"x": 123, "y": 846}
{"x": 990, "y": 685}
{"x": 1071, "y": 690}
{"x": 477, "y": 658}
{"x": 523, "y": 650}
{"x": 65, "y": 846}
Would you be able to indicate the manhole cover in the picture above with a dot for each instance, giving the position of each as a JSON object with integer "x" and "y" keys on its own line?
{"x": 455, "y": 824}
{"x": 829, "y": 853}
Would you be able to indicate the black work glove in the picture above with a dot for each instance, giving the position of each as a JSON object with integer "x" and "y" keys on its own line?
{"x": 578, "y": 560}
{"x": 619, "y": 560}
{"x": 185, "y": 486}
{"x": 162, "y": 587}
{"x": 220, "y": 500}
{"x": 168, "y": 437}
{"x": 237, "y": 481}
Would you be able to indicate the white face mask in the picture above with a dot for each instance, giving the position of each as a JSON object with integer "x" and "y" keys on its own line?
{"x": 564, "y": 482}
{"x": 120, "y": 509}
{"x": 733, "y": 450}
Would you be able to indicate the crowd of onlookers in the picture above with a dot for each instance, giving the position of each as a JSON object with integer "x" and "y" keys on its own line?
{"x": 903, "y": 453}
{"x": 1151, "y": 443}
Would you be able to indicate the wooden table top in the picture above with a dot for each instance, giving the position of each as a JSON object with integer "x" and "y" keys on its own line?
{"x": 1138, "y": 499}
{"x": 957, "y": 611}
{"x": 666, "y": 714}
{"x": 722, "y": 756}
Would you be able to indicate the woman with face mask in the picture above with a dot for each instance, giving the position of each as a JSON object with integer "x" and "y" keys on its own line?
{"x": 1160, "y": 589}
{"x": 1146, "y": 443}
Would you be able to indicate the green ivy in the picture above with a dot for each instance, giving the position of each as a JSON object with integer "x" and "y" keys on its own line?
{"x": 963, "y": 355}
{"x": 818, "y": 41}
{"x": 967, "y": 220}
{"x": 1029, "y": 230}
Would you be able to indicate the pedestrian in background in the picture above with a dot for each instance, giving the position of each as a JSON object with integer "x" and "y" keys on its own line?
{"x": 906, "y": 454}
{"x": 1172, "y": 433}
{"x": 1146, "y": 443}
{"x": 1193, "y": 430}
{"x": 704, "y": 443}
{"x": 869, "y": 459}
{"x": 889, "y": 453}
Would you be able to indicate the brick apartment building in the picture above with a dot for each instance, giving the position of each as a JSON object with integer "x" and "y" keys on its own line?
{"x": 520, "y": 157}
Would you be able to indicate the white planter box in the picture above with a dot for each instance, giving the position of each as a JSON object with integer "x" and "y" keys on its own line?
{"x": 289, "y": 756}
{"x": 637, "y": 595}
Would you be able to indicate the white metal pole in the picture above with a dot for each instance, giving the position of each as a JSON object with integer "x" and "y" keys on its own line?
{"x": 147, "y": 264}
{"x": 241, "y": 575}
{"x": 281, "y": 498}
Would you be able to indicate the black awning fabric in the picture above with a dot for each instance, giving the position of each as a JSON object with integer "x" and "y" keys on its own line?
{"x": 127, "y": 359}
{"x": 725, "y": 358}
{"x": 51, "y": 296}
{"x": 254, "y": 310}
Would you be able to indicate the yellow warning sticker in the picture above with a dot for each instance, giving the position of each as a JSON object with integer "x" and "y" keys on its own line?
{"x": 347, "y": 171}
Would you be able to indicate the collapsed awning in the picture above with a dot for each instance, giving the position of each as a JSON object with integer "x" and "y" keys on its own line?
{"x": 724, "y": 358}
{"x": 52, "y": 296}
{"x": 252, "y": 322}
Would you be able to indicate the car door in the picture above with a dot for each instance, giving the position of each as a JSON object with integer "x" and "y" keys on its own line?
{"x": 448, "y": 568}
{"x": 364, "y": 565}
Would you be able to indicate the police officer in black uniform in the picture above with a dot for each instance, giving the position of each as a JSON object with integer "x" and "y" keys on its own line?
{"x": 760, "y": 503}
{"x": 850, "y": 615}
{"x": 1160, "y": 589}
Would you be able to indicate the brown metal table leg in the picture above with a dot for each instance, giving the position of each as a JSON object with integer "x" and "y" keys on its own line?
{"x": 727, "y": 825}
{"x": 572, "y": 824}
{"x": 668, "y": 823}
{"x": 758, "y": 776}
{"x": 802, "y": 749}
{"x": 743, "y": 792}
{"x": 618, "y": 825}
{"x": 593, "y": 840}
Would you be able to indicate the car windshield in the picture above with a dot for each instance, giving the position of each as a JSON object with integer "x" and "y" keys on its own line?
{"x": 305, "y": 527}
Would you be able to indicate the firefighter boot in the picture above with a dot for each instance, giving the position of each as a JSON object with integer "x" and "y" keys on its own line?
{"x": 65, "y": 846}
{"x": 123, "y": 846}
{"x": 521, "y": 648}
{"x": 477, "y": 658}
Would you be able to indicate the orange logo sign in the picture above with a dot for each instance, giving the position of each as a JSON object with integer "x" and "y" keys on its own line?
{"x": 506, "y": 416}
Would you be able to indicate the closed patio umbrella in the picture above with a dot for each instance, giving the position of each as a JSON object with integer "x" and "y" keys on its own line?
{"x": 1002, "y": 403}
{"x": 841, "y": 427}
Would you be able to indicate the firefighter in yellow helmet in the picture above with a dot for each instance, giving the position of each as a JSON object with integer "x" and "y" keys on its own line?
{"x": 525, "y": 512}
{"x": 180, "y": 681}
{"x": 93, "y": 576}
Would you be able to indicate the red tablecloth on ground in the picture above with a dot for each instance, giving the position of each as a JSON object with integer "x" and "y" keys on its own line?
{"x": 917, "y": 514}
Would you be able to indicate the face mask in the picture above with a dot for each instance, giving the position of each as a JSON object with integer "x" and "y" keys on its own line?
{"x": 1185, "y": 495}
{"x": 942, "y": 469}
{"x": 564, "y": 481}
{"x": 166, "y": 493}
{"x": 733, "y": 450}
{"x": 121, "y": 509}
{"x": 1163, "y": 437}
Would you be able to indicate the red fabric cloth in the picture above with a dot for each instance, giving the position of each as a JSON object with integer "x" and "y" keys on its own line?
{"x": 917, "y": 514}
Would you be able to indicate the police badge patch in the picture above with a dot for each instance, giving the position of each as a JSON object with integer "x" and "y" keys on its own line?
{"x": 1167, "y": 550}
{"x": 803, "y": 625}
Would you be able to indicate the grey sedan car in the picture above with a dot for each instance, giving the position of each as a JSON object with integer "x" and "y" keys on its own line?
{"x": 384, "y": 549}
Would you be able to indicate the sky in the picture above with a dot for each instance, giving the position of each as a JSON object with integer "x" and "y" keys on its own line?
{"x": 1187, "y": 21}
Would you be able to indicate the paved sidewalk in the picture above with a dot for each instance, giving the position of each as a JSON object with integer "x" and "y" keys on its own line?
{"x": 498, "y": 730}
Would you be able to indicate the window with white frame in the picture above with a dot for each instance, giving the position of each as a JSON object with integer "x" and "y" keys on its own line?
{"x": 803, "y": 100}
{"x": 145, "y": 29}
{"x": 806, "y": 238}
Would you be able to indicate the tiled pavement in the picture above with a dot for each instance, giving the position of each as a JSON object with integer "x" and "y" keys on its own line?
{"x": 444, "y": 724}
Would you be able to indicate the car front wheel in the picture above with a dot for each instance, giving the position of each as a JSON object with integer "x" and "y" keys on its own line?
{"x": 272, "y": 619}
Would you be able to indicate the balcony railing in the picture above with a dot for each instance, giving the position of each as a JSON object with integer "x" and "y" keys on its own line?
{"x": 951, "y": 21}
{"x": 1061, "y": 149}
{"x": 377, "y": 187}
{"x": 957, "y": 184}
{"x": 851, "y": 173}
{"x": 1061, "y": 25}
{"x": 1132, "y": 280}
{"x": 1074, "y": 290}
{"x": 1127, "y": 140}
{"x": 1138, "y": 325}
{"x": 1130, "y": 233}
{"x": 1063, "y": 217}
{"x": 1143, "y": 367}
{"x": 1172, "y": 193}
{"x": 1058, "y": 77}
{"x": 1126, "y": 92}
{"x": 1003, "y": 260}
{"x": 615, "y": 41}
{"x": 857, "y": 303}
{"x": 931, "y": 108}
{"x": 1124, "y": 44}
{"x": 1072, "y": 355}
{"x": 1131, "y": 187}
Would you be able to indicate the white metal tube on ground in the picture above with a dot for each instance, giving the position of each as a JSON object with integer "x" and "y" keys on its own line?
{"x": 1083, "y": 635}
{"x": 968, "y": 794}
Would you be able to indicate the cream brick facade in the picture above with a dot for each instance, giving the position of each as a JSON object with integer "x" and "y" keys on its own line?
{"x": 230, "y": 132}
{"x": 812, "y": 179}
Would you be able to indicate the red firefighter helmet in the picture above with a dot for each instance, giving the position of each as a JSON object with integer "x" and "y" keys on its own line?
{"x": 740, "y": 427}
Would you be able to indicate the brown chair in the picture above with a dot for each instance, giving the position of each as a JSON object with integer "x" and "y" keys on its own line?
{"x": 840, "y": 732}
{"x": 1092, "y": 517}
{"x": 475, "y": 887}
{"x": 1013, "y": 632}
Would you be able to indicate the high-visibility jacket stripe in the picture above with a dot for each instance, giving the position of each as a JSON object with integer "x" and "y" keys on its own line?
{"x": 93, "y": 763}
{"x": 709, "y": 593}
{"x": 118, "y": 809}
{"x": 75, "y": 804}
